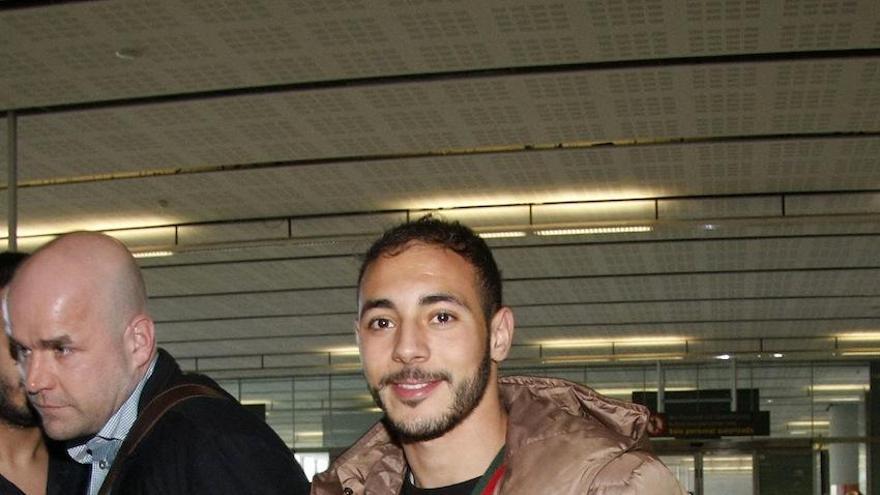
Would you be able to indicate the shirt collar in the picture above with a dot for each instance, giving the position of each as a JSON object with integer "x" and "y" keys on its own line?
{"x": 115, "y": 429}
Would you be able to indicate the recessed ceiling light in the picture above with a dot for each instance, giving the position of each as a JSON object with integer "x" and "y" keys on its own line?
{"x": 500, "y": 235}
{"x": 840, "y": 387}
{"x": 625, "y": 229}
{"x": 152, "y": 254}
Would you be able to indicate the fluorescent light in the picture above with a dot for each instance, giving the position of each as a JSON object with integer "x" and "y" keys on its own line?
{"x": 596, "y": 230}
{"x": 842, "y": 387}
{"x": 648, "y": 341}
{"x": 861, "y": 353}
{"x": 310, "y": 434}
{"x": 777, "y": 354}
{"x": 623, "y": 342}
{"x": 253, "y": 402}
{"x": 860, "y": 336}
{"x": 723, "y": 357}
{"x": 152, "y": 254}
{"x": 574, "y": 359}
{"x": 846, "y": 398}
{"x": 499, "y": 235}
{"x": 343, "y": 351}
{"x": 650, "y": 357}
{"x": 816, "y": 423}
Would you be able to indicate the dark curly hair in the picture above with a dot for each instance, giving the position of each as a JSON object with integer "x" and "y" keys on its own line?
{"x": 450, "y": 235}
{"x": 9, "y": 261}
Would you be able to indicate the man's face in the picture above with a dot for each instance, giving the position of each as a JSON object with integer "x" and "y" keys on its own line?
{"x": 14, "y": 408}
{"x": 73, "y": 361}
{"x": 423, "y": 340}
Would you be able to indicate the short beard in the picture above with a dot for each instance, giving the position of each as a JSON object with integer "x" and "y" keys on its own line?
{"x": 467, "y": 397}
{"x": 11, "y": 414}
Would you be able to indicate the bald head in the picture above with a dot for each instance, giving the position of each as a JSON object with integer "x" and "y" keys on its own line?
{"x": 85, "y": 265}
{"x": 77, "y": 317}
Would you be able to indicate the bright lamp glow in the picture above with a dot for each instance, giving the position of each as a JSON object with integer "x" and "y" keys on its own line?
{"x": 860, "y": 335}
{"x": 152, "y": 254}
{"x": 816, "y": 423}
{"x": 842, "y": 387}
{"x": 501, "y": 235}
{"x": 622, "y": 342}
{"x": 309, "y": 434}
{"x": 875, "y": 352}
{"x": 623, "y": 229}
{"x": 343, "y": 351}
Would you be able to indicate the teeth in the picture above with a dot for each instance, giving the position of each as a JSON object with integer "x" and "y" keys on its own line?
{"x": 412, "y": 386}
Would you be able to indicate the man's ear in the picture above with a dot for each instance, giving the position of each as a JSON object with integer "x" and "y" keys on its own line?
{"x": 501, "y": 334}
{"x": 141, "y": 339}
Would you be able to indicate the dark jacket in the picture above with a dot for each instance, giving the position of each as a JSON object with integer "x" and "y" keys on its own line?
{"x": 65, "y": 475}
{"x": 206, "y": 445}
{"x": 562, "y": 438}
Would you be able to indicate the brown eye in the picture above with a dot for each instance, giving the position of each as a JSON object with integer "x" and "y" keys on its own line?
{"x": 444, "y": 318}
{"x": 380, "y": 323}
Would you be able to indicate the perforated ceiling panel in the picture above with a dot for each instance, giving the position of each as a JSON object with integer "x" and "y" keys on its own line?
{"x": 266, "y": 144}
{"x": 693, "y": 102}
{"x": 672, "y": 170}
{"x": 67, "y": 53}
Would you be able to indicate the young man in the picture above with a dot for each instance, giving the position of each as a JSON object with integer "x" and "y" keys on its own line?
{"x": 26, "y": 464}
{"x": 87, "y": 349}
{"x": 432, "y": 332}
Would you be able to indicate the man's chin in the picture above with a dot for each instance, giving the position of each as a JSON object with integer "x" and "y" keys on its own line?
{"x": 59, "y": 431}
{"x": 416, "y": 431}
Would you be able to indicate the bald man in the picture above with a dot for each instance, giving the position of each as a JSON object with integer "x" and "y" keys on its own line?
{"x": 27, "y": 464}
{"x": 87, "y": 349}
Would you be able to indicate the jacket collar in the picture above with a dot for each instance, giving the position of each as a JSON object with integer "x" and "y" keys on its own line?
{"x": 539, "y": 409}
{"x": 164, "y": 374}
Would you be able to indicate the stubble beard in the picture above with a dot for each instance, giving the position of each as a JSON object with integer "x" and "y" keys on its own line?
{"x": 466, "y": 397}
{"x": 13, "y": 414}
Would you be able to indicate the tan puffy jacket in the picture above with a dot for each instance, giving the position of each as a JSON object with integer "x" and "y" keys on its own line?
{"x": 562, "y": 438}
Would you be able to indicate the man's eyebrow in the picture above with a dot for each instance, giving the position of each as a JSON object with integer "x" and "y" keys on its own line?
{"x": 442, "y": 297}
{"x": 375, "y": 303}
{"x": 62, "y": 341}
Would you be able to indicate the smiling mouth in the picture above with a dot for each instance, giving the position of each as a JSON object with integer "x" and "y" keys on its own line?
{"x": 412, "y": 385}
{"x": 413, "y": 393}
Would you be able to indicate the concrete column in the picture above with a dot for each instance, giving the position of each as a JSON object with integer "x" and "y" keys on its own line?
{"x": 843, "y": 458}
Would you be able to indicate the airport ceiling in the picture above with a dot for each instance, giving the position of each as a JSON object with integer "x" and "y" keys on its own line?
{"x": 724, "y": 155}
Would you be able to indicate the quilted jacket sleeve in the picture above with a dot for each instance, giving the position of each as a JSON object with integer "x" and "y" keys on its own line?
{"x": 635, "y": 473}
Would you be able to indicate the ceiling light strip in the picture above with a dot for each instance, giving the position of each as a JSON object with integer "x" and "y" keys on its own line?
{"x": 622, "y": 229}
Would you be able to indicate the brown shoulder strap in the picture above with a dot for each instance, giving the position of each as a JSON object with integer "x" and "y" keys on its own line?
{"x": 148, "y": 418}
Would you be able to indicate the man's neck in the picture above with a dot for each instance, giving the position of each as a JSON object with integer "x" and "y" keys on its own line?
{"x": 24, "y": 459}
{"x": 463, "y": 453}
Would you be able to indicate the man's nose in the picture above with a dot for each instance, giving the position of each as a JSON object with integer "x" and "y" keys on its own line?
{"x": 410, "y": 344}
{"x": 38, "y": 375}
